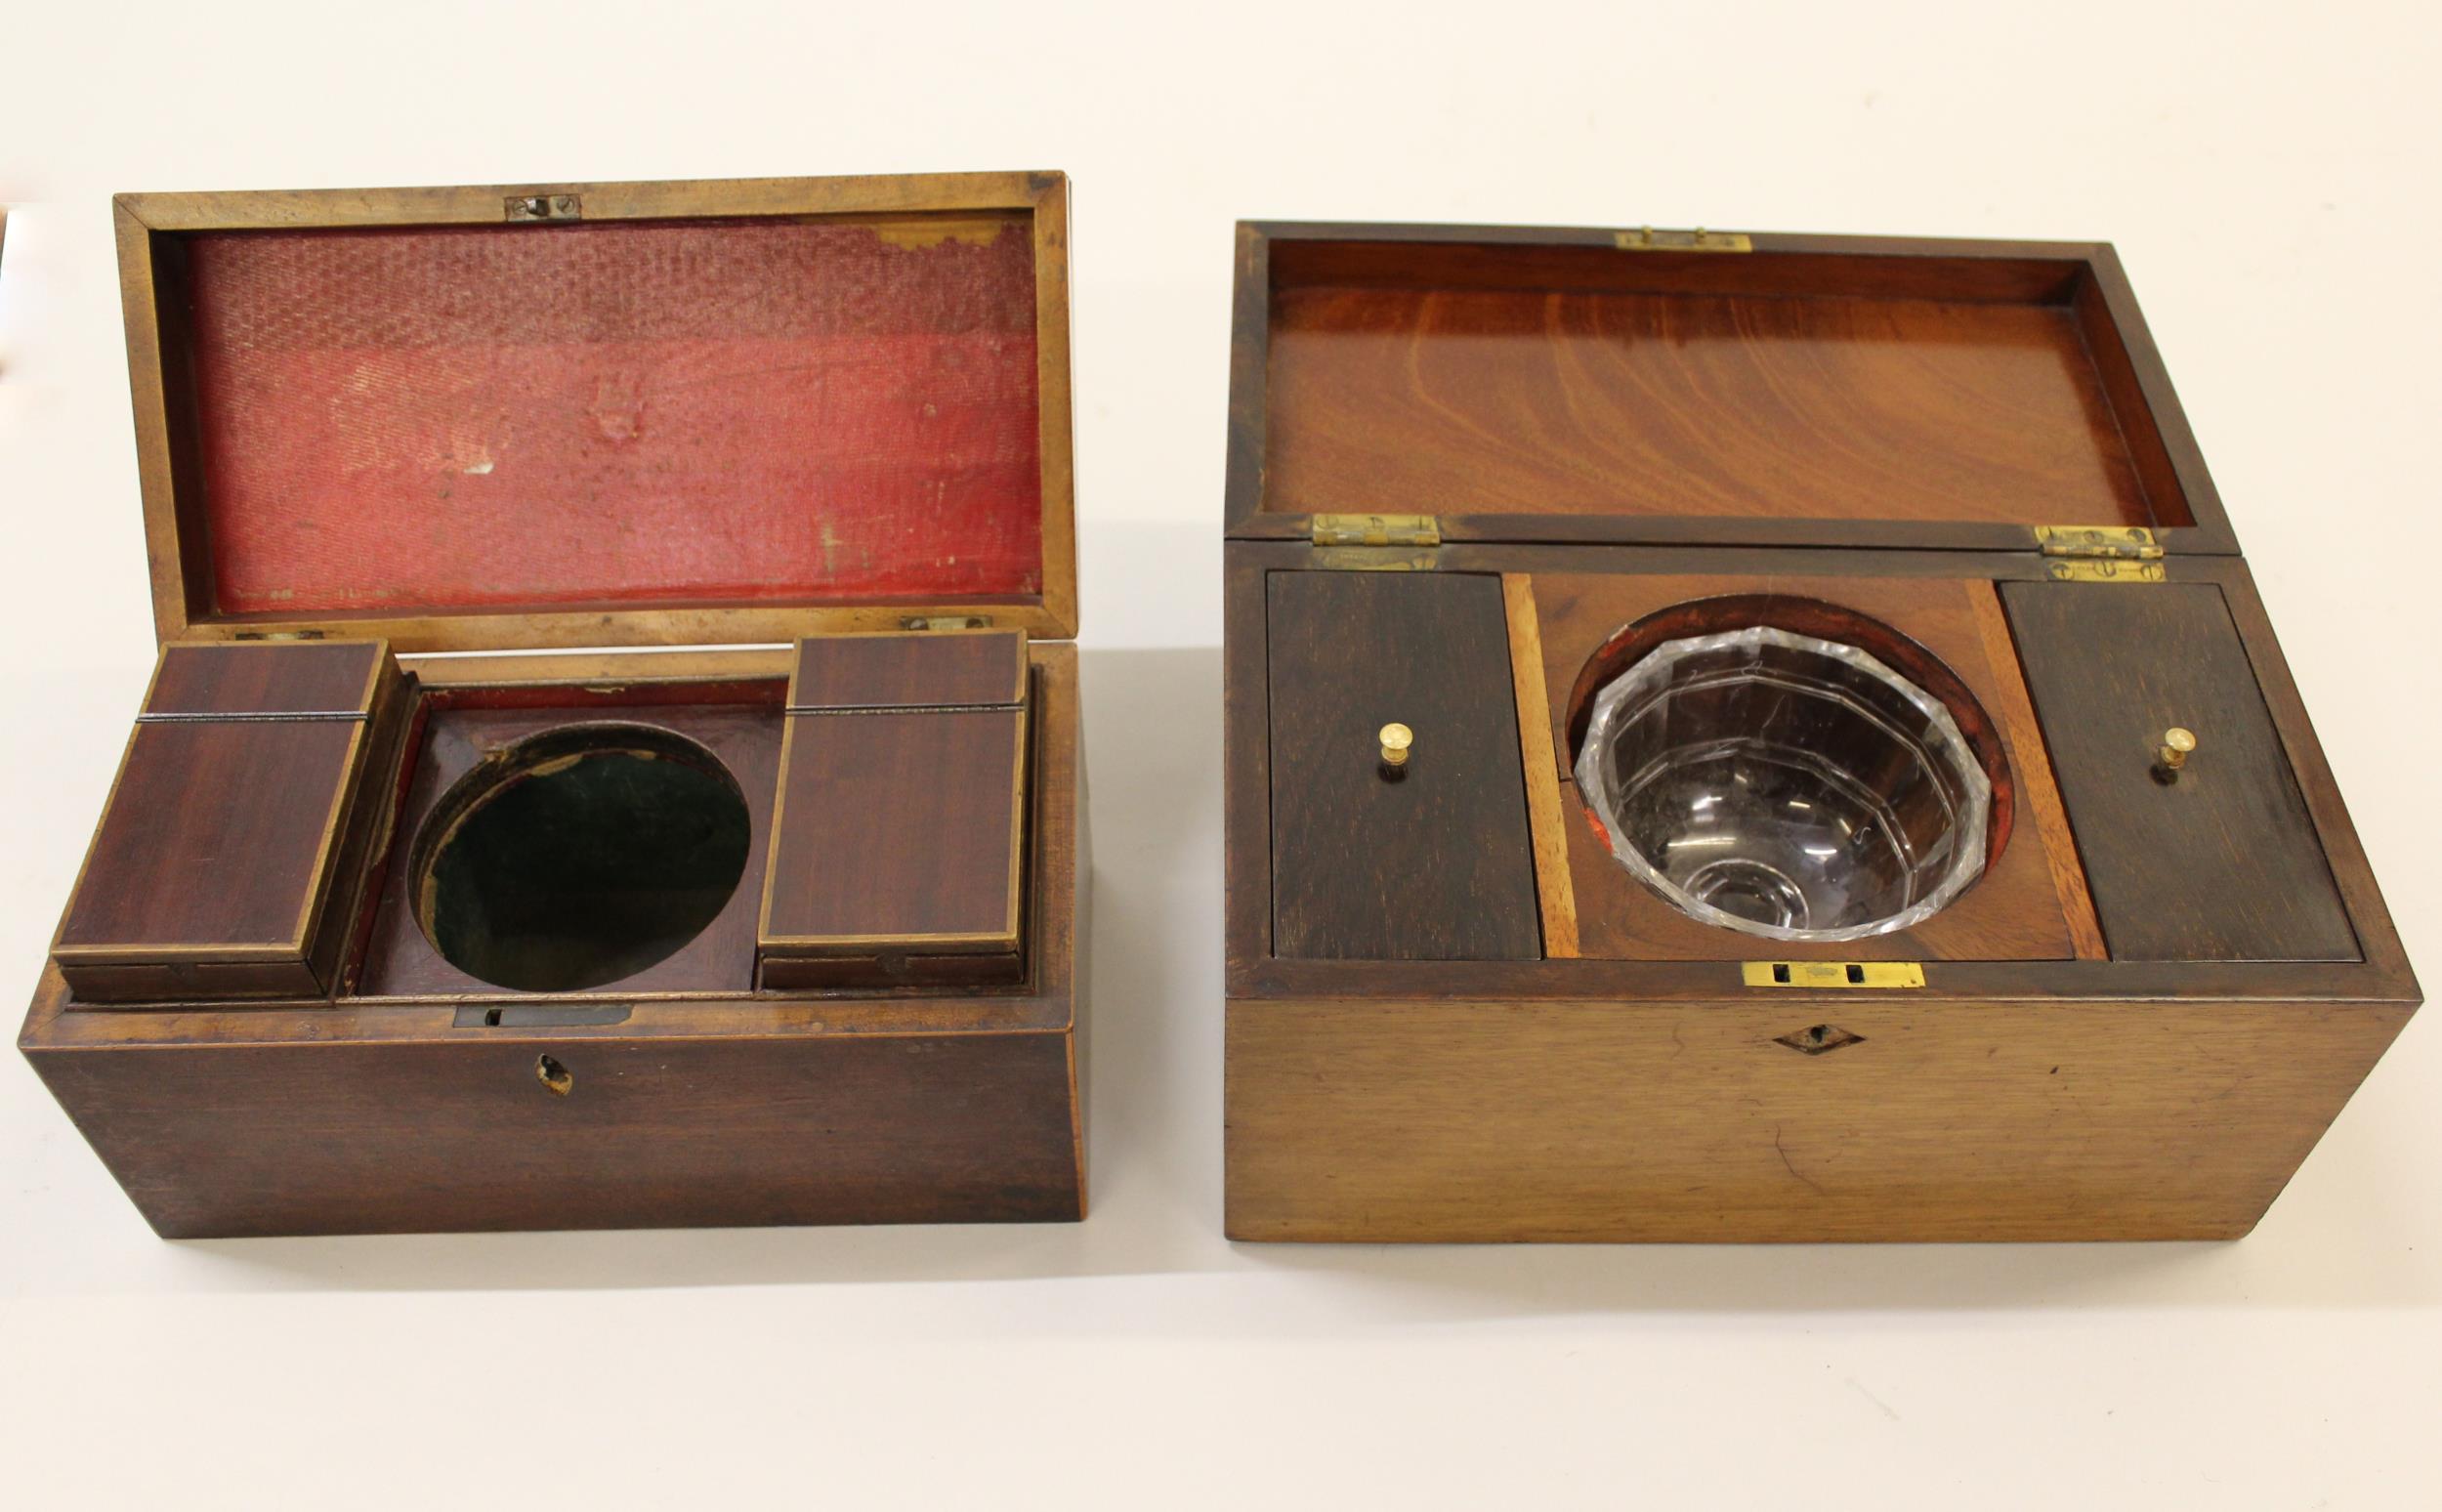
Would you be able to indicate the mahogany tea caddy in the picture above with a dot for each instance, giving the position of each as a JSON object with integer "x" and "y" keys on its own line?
{"x": 614, "y": 759}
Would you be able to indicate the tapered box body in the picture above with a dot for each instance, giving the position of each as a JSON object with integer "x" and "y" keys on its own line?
{"x": 682, "y": 932}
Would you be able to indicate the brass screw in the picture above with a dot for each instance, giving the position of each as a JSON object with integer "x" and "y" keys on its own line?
{"x": 2176, "y": 746}
{"x": 1395, "y": 739}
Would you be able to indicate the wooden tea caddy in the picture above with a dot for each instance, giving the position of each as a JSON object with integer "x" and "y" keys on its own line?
{"x": 737, "y": 934}
{"x": 1470, "y": 469}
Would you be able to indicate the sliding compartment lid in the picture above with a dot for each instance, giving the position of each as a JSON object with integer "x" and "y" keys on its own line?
{"x": 680, "y": 413}
{"x": 1575, "y": 386}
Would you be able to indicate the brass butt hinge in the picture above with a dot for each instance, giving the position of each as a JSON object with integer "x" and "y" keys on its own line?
{"x": 542, "y": 207}
{"x": 946, "y": 622}
{"x": 1376, "y": 530}
{"x": 2100, "y": 554}
{"x": 1375, "y": 543}
{"x": 1647, "y": 239}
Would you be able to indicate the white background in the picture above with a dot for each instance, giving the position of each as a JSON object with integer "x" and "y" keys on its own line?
{"x": 2270, "y": 181}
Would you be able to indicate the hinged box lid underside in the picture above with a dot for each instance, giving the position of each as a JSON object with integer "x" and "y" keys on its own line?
{"x": 1406, "y": 387}
{"x": 682, "y": 413}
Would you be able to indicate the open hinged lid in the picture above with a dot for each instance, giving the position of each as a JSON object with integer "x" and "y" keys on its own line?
{"x": 607, "y": 413}
{"x": 1408, "y": 384}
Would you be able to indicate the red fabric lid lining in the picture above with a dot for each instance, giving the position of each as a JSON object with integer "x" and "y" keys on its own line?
{"x": 737, "y": 412}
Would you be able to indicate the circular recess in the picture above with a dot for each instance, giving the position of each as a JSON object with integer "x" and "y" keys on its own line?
{"x": 1787, "y": 784}
{"x": 580, "y": 856}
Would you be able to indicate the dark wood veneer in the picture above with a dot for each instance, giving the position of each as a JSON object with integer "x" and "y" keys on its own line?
{"x": 845, "y": 876}
{"x": 2222, "y": 864}
{"x": 229, "y": 859}
{"x": 216, "y": 837}
{"x": 1434, "y": 864}
{"x": 897, "y": 671}
{"x": 882, "y": 727}
{"x": 335, "y": 678}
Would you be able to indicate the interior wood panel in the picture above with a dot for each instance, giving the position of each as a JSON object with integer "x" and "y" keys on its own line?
{"x": 1438, "y": 863}
{"x": 2222, "y": 865}
{"x": 1555, "y": 893}
{"x": 2020, "y": 909}
{"x": 1635, "y": 402}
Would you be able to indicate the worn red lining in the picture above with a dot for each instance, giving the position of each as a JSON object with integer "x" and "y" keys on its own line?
{"x": 706, "y": 412}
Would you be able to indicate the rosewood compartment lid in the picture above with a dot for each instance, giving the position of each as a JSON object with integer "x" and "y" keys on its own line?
{"x": 1575, "y": 386}
{"x": 685, "y": 413}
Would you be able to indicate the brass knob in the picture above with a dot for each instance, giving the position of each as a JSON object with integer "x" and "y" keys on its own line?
{"x": 1395, "y": 739}
{"x": 2176, "y": 746}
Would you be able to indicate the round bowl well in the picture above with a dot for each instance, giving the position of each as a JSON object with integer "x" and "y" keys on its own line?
{"x": 579, "y": 856}
{"x": 1784, "y": 785}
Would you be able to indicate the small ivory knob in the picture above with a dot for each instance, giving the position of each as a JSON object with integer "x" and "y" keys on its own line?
{"x": 2176, "y": 746}
{"x": 1395, "y": 739}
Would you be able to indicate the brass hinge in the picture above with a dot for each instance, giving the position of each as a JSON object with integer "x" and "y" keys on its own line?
{"x": 1647, "y": 239}
{"x": 1816, "y": 975}
{"x": 946, "y": 622}
{"x": 1375, "y": 543}
{"x": 2100, "y": 554}
{"x": 543, "y": 207}
{"x": 1376, "y": 530}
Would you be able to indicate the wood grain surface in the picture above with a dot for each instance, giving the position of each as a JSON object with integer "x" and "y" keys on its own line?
{"x": 1438, "y": 863}
{"x": 1948, "y": 1121}
{"x": 229, "y": 858}
{"x": 917, "y": 668}
{"x": 1555, "y": 892}
{"x": 1468, "y": 400}
{"x": 462, "y": 1135}
{"x": 898, "y": 832}
{"x": 214, "y": 837}
{"x": 320, "y": 677}
{"x": 2222, "y": 865}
